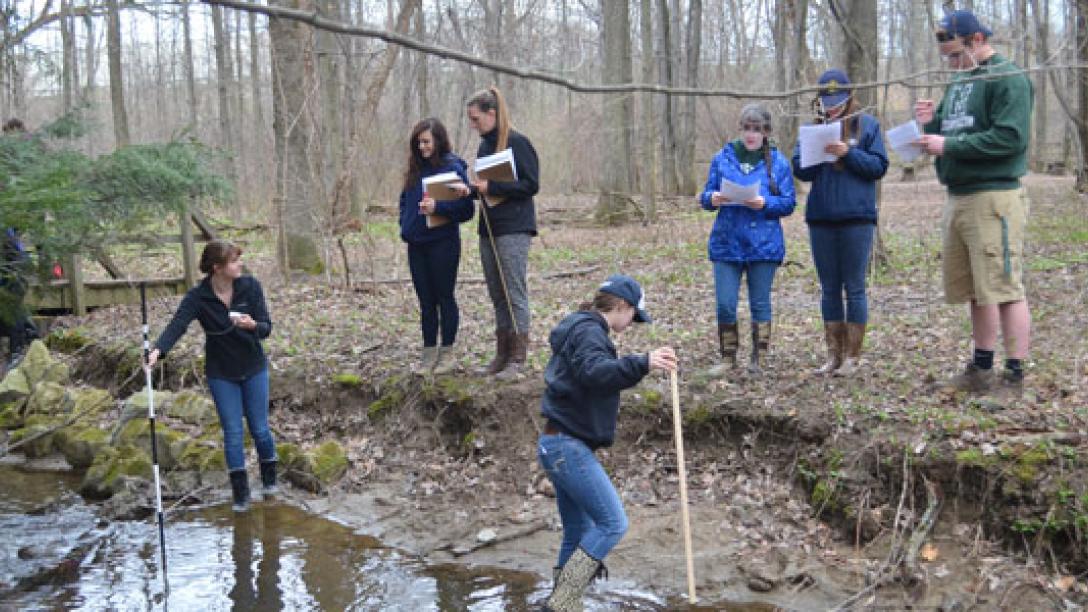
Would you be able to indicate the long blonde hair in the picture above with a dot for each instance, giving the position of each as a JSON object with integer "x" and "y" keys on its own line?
{"x": 491, "y": 98}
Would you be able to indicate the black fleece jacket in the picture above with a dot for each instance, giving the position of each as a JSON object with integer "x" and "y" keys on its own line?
{"x": 231, "y": 352}
{"x": 517, "y": 213}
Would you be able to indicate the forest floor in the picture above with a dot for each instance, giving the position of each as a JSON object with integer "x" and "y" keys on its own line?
{"x": 805, "y": 491}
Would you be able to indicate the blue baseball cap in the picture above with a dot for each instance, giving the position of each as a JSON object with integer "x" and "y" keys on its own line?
{"x": 832, "y": 93}
{"x": 963, "y": 23}
{"x": 623, "y": 286}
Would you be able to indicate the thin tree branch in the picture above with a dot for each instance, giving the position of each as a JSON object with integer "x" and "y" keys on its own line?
{"x": 322, "y": 23}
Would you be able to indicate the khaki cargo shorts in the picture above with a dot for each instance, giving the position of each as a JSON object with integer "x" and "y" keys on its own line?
{"x": 984, "y": 246}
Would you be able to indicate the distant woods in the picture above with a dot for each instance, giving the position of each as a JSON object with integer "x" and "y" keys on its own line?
{"x": 315, "y": 123}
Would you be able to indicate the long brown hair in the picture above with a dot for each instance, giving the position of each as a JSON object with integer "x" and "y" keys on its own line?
{"x": 488, "y": 99}
{"x": 416, "y": 162}
{"x": 757, "y": 113}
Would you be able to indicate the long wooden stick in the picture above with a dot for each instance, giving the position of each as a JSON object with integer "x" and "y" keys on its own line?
{"x": 678, "y": 432}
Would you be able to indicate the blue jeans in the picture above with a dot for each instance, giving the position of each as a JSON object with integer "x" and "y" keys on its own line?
{"x": 589, "y": 507}
{"x": 727, "y": 289}
{"x": 841, "y": 254}
{"x": 434, "y": 275}
{"x": 235, "y": 399}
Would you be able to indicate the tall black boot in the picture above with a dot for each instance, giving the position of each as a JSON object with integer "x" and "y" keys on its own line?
{"x": 761, "y": 342}
{"x": 268, "y": 479}
{"x": 239, "y": 487}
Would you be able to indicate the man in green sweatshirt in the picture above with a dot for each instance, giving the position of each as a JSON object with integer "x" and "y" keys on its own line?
{"x": 979, "y": 135}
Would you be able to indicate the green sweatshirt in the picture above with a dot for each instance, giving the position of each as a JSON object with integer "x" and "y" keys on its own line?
{"x": 987, "y": 126}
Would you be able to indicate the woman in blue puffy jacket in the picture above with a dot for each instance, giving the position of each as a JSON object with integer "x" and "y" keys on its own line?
{"x": 434, "y": 249}
{"x": 841, "y": 216}
{"x": 747, "y": 236}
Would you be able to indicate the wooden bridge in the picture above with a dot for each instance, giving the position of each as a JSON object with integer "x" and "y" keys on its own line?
{"x": 73, "y": 294}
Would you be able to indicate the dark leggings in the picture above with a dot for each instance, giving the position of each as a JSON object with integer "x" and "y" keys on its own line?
{"x": 434, "y": 275}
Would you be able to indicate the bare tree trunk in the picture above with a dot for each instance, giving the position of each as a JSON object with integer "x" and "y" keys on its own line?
{"x": 421, "y": 70}
{"x": 859, "y": 31}
{"x": 647, "y": 158}
{"x": 666, "y": 75}
{"x": 292, "y": 51}
{"x": 255, "y": 73}
{"x": 223, "y": 76}
{"x": 685, "y": 162}
{"x": 69, "y": 76}
{"x": 615, "y": 179}
{"x": 1081, "y": 75}
{"x": 187, "y": 61}
{"x": 1040, "y": 11}
{"x": 117, "y": 89}
{"x": 90, "y": 55}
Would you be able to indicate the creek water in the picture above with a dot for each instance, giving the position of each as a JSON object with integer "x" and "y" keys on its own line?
{"x": 274, "y": 557}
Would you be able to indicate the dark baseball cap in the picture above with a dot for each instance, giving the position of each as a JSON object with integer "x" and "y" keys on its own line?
{"x": 623, "y": 286}
{"x": 961, "y": 23}
{"x": 831, "y": 84}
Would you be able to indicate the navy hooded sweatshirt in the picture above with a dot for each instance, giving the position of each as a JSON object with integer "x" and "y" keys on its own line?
{"x": 413, "y": 224}
{"x": 584, "y": 378}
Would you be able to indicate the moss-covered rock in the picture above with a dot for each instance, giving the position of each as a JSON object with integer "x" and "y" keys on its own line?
{"x": 11, "y": 415}
{"x": 14, "y": 387}
{"x": 329, "y": 462}
{"x": 134, "y": 407}
{"x": 80, "y": 445}
{"x": 315, "y": 469}
{"x": 169, "y": 443}
{"x": 39, "y": 430}
{"x": 67, "y": 340}
{"x": 48, "y": 398}
{"x": 102, "y": 478}
{"x": 191, "y": 407}
{"x": 39, "y": 366}
{"x": 348, "y": 379}
{"x": 91, "y": 402}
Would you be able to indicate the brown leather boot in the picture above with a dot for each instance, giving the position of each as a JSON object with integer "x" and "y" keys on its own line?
{"x": 761, "y": 342}
{"x": 519, "y": 351}
{"x": 728, "y": 345}
{"x": 834, "y": 337}
{"x": 503, "y": 341}
{"x": 855, "y": 337}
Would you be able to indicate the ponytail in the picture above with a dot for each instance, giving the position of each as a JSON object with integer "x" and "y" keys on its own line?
{"x": 772, "y": 185}
{"x": 488, "y": 99}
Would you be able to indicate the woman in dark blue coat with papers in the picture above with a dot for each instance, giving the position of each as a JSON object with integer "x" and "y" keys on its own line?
{"x": 747, "y": 236}
{"x": 841, "y": 216}
{"x": 431, "y": 229}
{"x": 507, "y": 227}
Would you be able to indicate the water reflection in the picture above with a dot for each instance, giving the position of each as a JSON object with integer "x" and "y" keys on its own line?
{"x": 275, "y": 557}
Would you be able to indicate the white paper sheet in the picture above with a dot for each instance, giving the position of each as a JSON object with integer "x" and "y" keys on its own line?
{"x": 814, "y": 138}
{"x": 901, "y": 139}
{"x": 736, "y": 193}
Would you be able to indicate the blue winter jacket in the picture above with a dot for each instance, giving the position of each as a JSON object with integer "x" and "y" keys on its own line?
{"x": 740, "y": 234}
{"x": 846, "y": 195}
{"x": 413, "y": 225}
{"x": 584, "y": 378}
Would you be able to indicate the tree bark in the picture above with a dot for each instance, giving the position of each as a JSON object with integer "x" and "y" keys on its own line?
{"x": 1081, "y": 76}
{"x": 1040, "y": 11}
{"x": 292, "y": 51}
{"x": 615, "y": 179}
{"x": 69, "y": 65}
{"x": 686, "y": 150}
{"x": 187, "y": 61}
{"x": 224, "y": 74}
{"x": 666, "y": 75}
{"x": 117, "y": 89}
{"x": 647, "y": 158}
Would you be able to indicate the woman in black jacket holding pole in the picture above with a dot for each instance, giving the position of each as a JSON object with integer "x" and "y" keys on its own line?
{"x": 506, "y": 229}
{"x": 232, "y": 312}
